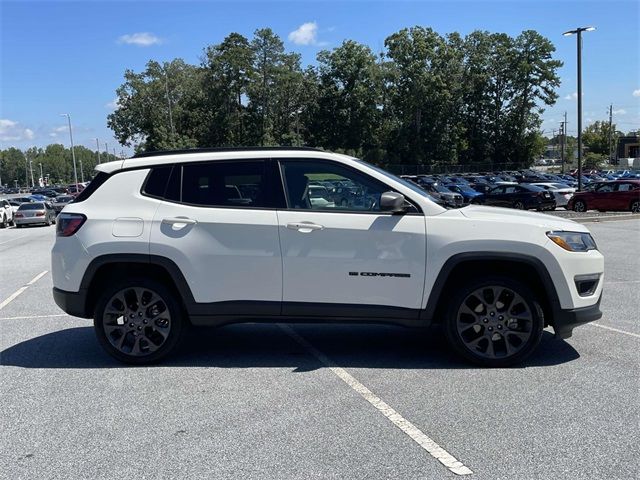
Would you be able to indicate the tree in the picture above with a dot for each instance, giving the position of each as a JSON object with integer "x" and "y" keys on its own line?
{"x": 596, "y": 137}
{"x": 348, "y": 112}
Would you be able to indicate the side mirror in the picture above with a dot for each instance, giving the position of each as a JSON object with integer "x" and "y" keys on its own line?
{"x": 392, "y": 202}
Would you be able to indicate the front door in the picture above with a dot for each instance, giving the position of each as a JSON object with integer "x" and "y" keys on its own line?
{"x": 342, "y": 255}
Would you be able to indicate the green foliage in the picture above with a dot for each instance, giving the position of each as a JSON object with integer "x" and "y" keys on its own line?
{"x": 428, "y": 99}
{"x": 56, "y": 160}
{"x": 596, "y": 138}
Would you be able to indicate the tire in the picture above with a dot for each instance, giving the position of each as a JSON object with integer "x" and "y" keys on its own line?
{"x": 579, "y": 206}
{"x": 518, "y": 205}
{"x": 3, "y": 224}
{"x": 635, "y": 206}
{"x": 497, "y": 339}
{"x": 147, "y": 336}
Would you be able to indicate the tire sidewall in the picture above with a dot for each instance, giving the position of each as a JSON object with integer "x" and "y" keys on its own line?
{"x": 580, "y": 202}
{"x": 177, "y": 321}
{"x": 450, "y": 320}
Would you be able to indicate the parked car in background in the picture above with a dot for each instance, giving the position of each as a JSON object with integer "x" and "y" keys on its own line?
{"x": 522, "y": 197}
{"x": 35, "y": 213}
{"x": 448, "y": 197}
{"x": 6, "y": 214}
{"x": 319, "y": 197}
{"x": 22, "y": 199}
{"x": 37, "y": 197}
{"x": 61, "y": 201}
{"x": 465, "y": 190}
{"x": 608, "y": 196}
{"x": 14, "y": 205}
{"x": 561, "y": 192}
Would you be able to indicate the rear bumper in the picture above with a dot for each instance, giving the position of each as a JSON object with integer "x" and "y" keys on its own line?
{"x": 565, "y": 321}
{"x": 73, "y": 303}
{"x": 30, "y": 220}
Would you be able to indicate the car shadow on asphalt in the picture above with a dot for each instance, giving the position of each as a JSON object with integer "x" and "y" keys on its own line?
{"x": 268, "y": 345}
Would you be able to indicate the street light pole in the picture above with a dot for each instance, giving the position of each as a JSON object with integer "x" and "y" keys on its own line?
{"x": 73, "y": 153}
{"x": 579, "y": 31}
{"x": 98, "y": 150}
{"x": 41, "y": 174}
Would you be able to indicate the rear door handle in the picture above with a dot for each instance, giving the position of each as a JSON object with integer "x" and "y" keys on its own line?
{"x": 304, "y": 227}
{"x": 179, "y": 220}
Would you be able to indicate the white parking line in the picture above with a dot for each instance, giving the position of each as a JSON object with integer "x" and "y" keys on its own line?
{"x": 614, "y": 329}
{"x": 15, "y": 294}
{"x": 435, "y": 450}
{"x": 29, "y": 317}
{"x": 17, "y": 238}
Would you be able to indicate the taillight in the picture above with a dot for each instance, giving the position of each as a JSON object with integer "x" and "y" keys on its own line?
{"x": 68, "y": 224}
{"x": 39, "y": 214}
{"x": 19, "y": 215}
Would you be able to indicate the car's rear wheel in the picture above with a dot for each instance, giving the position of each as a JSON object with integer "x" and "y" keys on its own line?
{"x": 494, "y": 322}
{"x": 138, "y": 321}
{"x": 579, "y": 206}
{"x": 635, "y": 206}
{"x": 518, "y": 205}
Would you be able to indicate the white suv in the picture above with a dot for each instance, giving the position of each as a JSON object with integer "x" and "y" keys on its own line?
{"x": 164, "y": 240}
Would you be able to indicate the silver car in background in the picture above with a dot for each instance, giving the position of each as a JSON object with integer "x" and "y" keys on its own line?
{"x": 561, "y": 192}
{"x": 35, "y": 213}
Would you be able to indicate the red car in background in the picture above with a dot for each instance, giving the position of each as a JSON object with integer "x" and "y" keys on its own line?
{"x": 607, "y": 196}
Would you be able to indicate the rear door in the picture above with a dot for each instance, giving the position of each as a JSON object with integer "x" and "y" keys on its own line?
{"x": 348, "y": 259}
{"x": 218, "y": 225}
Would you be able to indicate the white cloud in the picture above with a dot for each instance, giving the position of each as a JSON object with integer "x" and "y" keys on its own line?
{"x": 636, "y": 93}
{"x": 620, "y": 111}
{"x": 305, "y": 34}
{"x": 141, "y": 39}
{"x": 113, "y": 104}
{"x": 60, "y": 129}
{"x": 571, "y": 96}
{"x": 12, "y": 131}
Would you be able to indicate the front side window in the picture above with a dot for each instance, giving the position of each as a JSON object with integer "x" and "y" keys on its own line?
{"x": 318, "y": 185}
{"x": 224, "y": 184}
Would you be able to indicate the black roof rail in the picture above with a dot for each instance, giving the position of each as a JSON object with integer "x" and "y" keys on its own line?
{"x": 221, "y": 149}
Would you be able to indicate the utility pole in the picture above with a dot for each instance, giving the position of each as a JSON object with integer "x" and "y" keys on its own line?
{"x": 610, "y": 132}
{"x": 33, "y": 183}
{"x": 106, "y": 151}
{"x": 41, "y": 174}
{"x": 73, "y": 153}
{"x": 579, "y": 31}
{"x": 98, "y": 150}
{"x": 562, "y": 145}
{"x": 166, "y": 87}
{"x": 26, "y": 170}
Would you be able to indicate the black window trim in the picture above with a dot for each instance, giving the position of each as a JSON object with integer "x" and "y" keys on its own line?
{"x": 265, "y": 161}
{"x": 279, "y": 161}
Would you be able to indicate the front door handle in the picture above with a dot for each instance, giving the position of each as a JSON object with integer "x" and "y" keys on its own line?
{"x": 179, "y": 220}
{"x": 304, "y": 227}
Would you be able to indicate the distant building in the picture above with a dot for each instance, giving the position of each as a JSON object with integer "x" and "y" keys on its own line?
{"x": 628, "y": 147}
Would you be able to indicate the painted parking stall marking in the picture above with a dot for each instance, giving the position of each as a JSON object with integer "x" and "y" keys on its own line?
{"x": 18, "y": 292}
{"x": 435, "y": 450}
{"x": 617, "y": 330}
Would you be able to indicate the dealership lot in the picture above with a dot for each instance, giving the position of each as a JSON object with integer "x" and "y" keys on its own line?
{"x": 269, "y": 401}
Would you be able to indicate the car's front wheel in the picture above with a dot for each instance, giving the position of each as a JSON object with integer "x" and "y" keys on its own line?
{"x": 494, "y": 321}
{"x": 138, "y": 321}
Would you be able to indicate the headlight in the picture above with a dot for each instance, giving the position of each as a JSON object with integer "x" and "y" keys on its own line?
{"x": 573, "y": 241}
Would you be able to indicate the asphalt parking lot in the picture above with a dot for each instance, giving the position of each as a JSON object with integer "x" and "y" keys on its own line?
{"x": 314, "y": 401}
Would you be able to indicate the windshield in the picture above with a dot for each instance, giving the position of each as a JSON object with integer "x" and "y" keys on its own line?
{"x": 404, "y": 182}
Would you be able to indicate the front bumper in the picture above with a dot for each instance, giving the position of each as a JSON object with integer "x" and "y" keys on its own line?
{"x": 564, "y": 321}
{"x": 73, "y": 303}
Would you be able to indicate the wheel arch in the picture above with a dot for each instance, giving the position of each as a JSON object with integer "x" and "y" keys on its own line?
{"x": 460, "y": 267}
{"x": 105, "y": 269}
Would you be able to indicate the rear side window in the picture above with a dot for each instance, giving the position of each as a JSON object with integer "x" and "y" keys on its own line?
{"x": 225, "y": 184}
{"x": 156, "y": 182}
{"x": 97, "y": 181}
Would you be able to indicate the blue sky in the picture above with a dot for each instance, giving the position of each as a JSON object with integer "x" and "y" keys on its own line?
{"x": 61, "y": 56}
